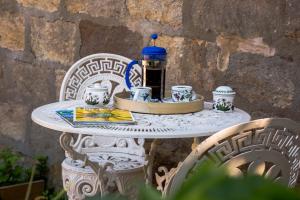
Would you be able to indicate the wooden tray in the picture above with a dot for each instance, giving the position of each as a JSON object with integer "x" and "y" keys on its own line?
{"x": 122, "y": 101}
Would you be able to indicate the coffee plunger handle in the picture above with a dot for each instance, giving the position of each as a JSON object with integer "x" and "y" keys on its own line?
{"x": 127, "y": 72}
{"x": 154, "y": 37}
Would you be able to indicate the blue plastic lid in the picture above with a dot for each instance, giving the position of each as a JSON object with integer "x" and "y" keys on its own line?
{"x": 154, "y": 50}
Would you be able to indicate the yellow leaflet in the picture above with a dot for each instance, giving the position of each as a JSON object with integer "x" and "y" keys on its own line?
{"x": 102, "y": 115}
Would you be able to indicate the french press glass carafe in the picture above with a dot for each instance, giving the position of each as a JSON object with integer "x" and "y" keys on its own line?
{"x": 154, "y": 69}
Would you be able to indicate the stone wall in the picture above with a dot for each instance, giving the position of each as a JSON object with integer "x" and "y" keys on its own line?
{"x": 251, "y": 45}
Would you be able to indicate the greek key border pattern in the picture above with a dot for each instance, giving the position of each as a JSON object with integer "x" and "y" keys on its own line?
{"x": 93, "y": 67}
{"x": 270, "y": 139}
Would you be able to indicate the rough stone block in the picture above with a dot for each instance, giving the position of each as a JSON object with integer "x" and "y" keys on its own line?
{"x": 293, "y": 15}
{"x": 43, "y": 141}
{"x": 200, "y": 65}
{"x": 13, "y": 120}
{"x": 103, "y": 8}
{"x": 171, "y": 151}
{"x": 261, "y": 83}
{"x": 175, "y": 50}
{"x": 232, "y": 44}
{"x": 8, "y": 5}
{"x": 53, "y": 41}
{"x": 206, "y": 19}
{"x": 166, "y": 12}
{"x": 120, "y": 40}
{"x": 27, "y": 84}
{"x": 190, "y": 62}
{"x": 12, "y": 30}
{"x": 59, "y": 77}
{"x": 47, "y": 5}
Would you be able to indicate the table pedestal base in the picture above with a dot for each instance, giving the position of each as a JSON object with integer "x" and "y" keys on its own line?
{"x": 79, "y": 184}
{"x": 104, "y": 173}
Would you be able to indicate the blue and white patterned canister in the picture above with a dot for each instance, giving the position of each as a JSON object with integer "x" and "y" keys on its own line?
{"x": 96, "y": 95}
{"x": 223, "y": 98}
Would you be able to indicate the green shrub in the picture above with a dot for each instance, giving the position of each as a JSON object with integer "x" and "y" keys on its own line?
{"x": 207, "y": 182}
{"x": 12, "y": 170}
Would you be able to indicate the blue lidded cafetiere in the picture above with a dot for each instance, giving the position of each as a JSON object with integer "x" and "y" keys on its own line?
{"x": 154, "y": 69}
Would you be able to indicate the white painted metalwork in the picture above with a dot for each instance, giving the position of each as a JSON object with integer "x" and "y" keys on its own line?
{"x": 267, "y": 147}
{"x": 107, "y": 69}
{"x": 127, "y": 156}
{"x": 88, "y": 170}
{"x": 203, "y": 123}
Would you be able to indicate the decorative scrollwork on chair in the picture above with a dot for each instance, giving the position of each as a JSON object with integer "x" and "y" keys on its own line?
{"x": 266, "y": 147}
{"x": 164, "y": 180}
{"x": 105, "y": 173}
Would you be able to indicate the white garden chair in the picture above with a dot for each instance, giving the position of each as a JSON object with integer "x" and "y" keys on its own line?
{"x": 126, "y": 156}
{"x": 267, "y": 147}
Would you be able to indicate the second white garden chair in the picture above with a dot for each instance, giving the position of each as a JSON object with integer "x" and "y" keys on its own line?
{"x": 126, "y": 155}
{"x": 267, "y": 147}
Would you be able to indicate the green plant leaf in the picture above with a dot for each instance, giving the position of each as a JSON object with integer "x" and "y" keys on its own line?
{"x": 12, "y": 168}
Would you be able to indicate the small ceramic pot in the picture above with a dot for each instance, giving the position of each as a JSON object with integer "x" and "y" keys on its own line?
{"x": 141, "y": 94}
{"x": 223, "y": 98}
{"x": 182, "y": 93}
{"x": 96, "y": 95}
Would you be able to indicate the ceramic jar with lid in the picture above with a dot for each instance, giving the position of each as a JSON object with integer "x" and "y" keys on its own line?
{"x": 223, "y": 98}
{"x": 96, "y": 95}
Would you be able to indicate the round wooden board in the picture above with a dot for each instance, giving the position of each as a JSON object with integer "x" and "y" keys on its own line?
{"x": 122, "y": 101}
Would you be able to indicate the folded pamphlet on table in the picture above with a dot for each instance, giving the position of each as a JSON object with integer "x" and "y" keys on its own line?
{"x": 96, "y": 117}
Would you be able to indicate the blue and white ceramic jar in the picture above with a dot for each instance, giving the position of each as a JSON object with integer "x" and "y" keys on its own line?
{"x": 223, "y": 98}
{"x": 96, "y": 95}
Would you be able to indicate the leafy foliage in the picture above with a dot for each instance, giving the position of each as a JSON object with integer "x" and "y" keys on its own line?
{"x": 41, "y": 167}
{"x": 12, "y": 170}
{"x": 207, "y": 182}
{"x": 51, "y": 194}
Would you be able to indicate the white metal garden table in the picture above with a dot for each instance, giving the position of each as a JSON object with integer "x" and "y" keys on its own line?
{"x": 203, "y": 123}
{"x": 193, "y": 125}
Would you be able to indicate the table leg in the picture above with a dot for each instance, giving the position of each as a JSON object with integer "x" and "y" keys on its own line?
{"x": 197, "y": 141}
{"x": 104, "y": 177}
{"x": 150, "y": 158}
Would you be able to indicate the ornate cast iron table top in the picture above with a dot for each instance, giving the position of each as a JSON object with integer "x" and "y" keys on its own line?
{"x": 203, "y": 123}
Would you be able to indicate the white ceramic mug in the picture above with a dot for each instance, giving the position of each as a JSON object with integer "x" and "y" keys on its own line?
{"x": 183, "y": 93}
{"x": 141, "y": 94}
{"x": 96, "y": 95}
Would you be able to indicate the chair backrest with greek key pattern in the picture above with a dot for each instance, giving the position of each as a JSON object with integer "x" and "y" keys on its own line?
{"x": 107, "y": 69}
{"x": 267, "y": 147}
